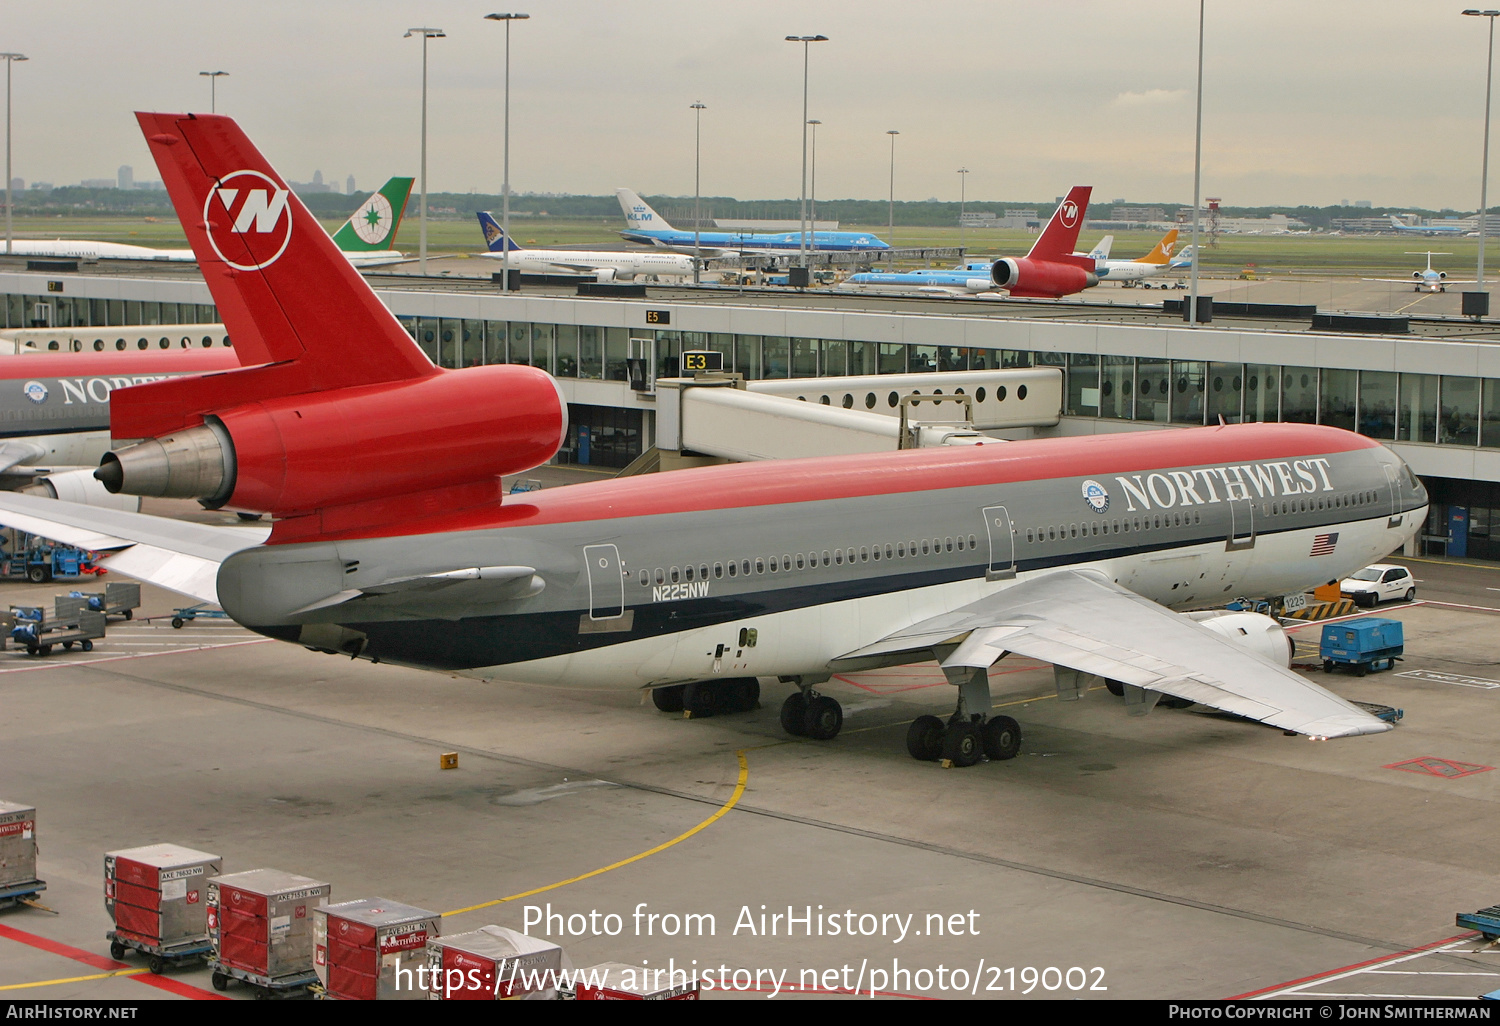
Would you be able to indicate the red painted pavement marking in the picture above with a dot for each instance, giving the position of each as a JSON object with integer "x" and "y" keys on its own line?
{"x": 1356, "y": 965}
{"x": 1431, "y": 765}
{"x": 108, "y": 964}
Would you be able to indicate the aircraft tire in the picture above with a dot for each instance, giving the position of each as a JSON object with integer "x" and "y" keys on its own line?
{"x": 1002, "y": 738}
{"x": 668, "y": 699}
{"x": 962, "y": 744}
{"x": 793, "y": 713}
{"x": 824, "y": 719}
{"x": 1115, "y": 688}
{"x": 924, "y": 739}
{"x": 703, "y": 699}
{"x": 1173, "y": 702}
{"x": 742, "y": 694}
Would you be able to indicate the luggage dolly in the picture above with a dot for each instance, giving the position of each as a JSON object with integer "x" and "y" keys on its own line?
{"x": 21, "y": 893}
{"x": 267, "y": 987}
{"x": 157, "y": 958}
{"x": 190, "y": 613}
{"x": 1486, "y": 921}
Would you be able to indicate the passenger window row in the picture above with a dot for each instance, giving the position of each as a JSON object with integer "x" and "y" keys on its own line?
{"x": 1098, "y": 528}
{"x": 807, "y": 560}
{"x": 1323, "y": 503}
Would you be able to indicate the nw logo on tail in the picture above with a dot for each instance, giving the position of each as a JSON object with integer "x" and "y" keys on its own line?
{"x": 260, "y": 222}
{"x": 1068, "y": 214}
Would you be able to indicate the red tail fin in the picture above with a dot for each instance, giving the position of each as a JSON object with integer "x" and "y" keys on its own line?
{"x": 1060, "y": 237}
{"x": 276, "y": 276}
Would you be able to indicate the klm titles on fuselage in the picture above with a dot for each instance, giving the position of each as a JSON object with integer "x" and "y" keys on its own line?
{"x": 1237, "y": 483}
{"x": 86, "y": 390}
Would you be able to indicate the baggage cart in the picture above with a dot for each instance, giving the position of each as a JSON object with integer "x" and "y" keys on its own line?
{"x": 260, "y": 929}
{"x": 72, "y": 623}
{"x": 119, "y": 598}
{"x": 494, "y": 963}
{"x": 156, "y": 897}
{"x": 616, "y": 981}
{"x": 18, "y": 880}
{"x": 1486, "y": 921}
{"x": 370, "y": 949}
{"x": 158, "y": 956}
{"x": 1362, "y": 645}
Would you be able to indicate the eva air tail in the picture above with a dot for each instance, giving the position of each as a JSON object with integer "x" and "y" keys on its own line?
{"x": 373, "y": 226}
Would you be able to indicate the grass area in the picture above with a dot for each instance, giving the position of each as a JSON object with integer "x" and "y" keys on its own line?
{"x": 1270, "y": 255}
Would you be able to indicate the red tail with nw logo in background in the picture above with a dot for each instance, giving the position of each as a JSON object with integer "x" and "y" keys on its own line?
{"x": 1060, "y": 238}
{"x": 339, "y": 423}
{"x": 1051, "y": 270}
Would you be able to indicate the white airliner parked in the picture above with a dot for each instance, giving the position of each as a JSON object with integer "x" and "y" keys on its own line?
{"x": 1130, "y": 271}
{"x": 605, "y": 265}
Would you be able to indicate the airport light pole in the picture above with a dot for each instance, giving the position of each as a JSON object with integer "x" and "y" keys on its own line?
{"x": 1197, "y": 177}
{"x": 213, "y": 94}
{"x": 505, "y": 172}
{"x": 812, "y": 190}
{"x": 963, "y": 185}
{"x": 804, "y": 40}
{"x": 426, "y": 34}
{"x": 891, "y": 227}
{"x": 1484, "y": 174}
{"x": 10, "y": 60}
{"x": 697, "y": 109}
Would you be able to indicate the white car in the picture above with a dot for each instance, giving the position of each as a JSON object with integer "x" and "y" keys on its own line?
{"x": 1375, "y": 584}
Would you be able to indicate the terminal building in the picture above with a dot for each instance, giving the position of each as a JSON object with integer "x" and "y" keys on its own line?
{"x": 1434, "y": 400}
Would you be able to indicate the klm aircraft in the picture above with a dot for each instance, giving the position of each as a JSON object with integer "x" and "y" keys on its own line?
{"x": 645, "y": 225}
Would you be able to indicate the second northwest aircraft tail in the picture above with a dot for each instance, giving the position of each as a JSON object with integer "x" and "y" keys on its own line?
{"x": 1058, "y": 239}
{"x": 373, "y": 226}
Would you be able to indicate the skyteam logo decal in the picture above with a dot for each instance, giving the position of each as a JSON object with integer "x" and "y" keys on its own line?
{"x": 35, "y": 391}
{"x": 1068, "y": 213}
{"x": 373, "y": 220}
{"x": 1095, "y": 495}
{"x": 248, "y": 220}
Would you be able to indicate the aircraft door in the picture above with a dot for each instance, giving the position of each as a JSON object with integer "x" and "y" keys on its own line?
{"x": 1002, "y": 540}
{"x": 1241, "y": 525}
{"x": 606, "y": 583}
{"x": 1393, "y": 486}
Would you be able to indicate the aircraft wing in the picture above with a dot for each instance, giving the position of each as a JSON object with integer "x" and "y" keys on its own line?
{"x": 183, "y": 557}
{"x": 1082, "y": 621}
{"x": 17, "y": 451}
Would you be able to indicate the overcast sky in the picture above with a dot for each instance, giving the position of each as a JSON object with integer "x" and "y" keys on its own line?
{"x": 1303, "y": 102}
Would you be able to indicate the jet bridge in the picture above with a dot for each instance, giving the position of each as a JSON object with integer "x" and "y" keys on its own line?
{"x": 722, "y": 415}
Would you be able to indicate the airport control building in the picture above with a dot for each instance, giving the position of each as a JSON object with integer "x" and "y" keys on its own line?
{"x": 1435, "y": 400}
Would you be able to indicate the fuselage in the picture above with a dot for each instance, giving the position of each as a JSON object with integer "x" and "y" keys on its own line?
{"x": 572, "y": 261}
{"x": 734, "y": 241}
{"x": 84, "y": 249}
{"x": 777, "y": 568}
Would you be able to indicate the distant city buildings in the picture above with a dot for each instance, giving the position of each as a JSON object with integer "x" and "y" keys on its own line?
{"x": 126, "y": 176}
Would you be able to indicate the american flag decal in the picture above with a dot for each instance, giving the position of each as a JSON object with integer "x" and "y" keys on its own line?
{"x": 1323, "y": 544}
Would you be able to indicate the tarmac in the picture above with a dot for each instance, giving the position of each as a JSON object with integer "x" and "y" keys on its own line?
{"x": 1184, "y": 854}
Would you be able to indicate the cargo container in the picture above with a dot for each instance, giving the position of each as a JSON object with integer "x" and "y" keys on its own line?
{"x": 371, "y": 948}
{"x": 260, "y": 927}
{"x": 1362, "y": 644}
{"x": 494, "y": 963}
{"x": 157, "y": 897}
{"x": 18, "y": 879}
{"x": 616, "y": 981}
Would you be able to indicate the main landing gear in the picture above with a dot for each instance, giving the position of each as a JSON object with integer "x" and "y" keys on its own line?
{"x": 971, "y": 733}
{"x": 806, "y": 713}
{"x": 709, "y": 697}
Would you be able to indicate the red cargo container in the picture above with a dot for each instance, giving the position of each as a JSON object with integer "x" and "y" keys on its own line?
{"x": 260, "y": 922}
{"x": 371, "y": 949}
{"x": 616, "y": 981}
{"x": 494, "y": 963}
{"x": 156, "y": 894}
